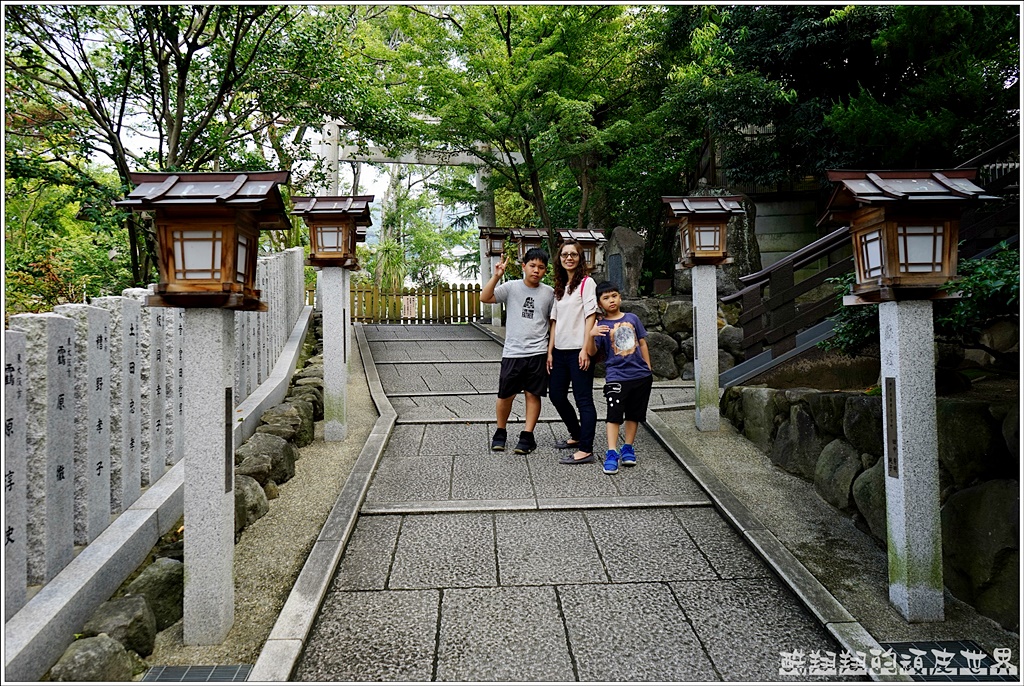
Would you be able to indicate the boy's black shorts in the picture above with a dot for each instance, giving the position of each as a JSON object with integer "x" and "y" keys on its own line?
{"x": 528, "y": 374}
{"x": 627, "y": 400}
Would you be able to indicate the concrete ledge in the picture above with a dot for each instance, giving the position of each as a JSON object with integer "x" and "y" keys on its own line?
{"x": 274, "y": 388}
{"x": 277, "y": 659}
{"x": 166, "y": 497}
{"x": 816, "y": 597}
{"x": 287, "y": 639}
{"x": 430, "y": 506}
{"x": 37, "y": 635}
{"x": 619, "y": 501}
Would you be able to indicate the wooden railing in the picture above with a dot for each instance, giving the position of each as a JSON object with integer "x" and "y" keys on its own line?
{"x": 773, "y": 321}
{"x": 446, "y": 303}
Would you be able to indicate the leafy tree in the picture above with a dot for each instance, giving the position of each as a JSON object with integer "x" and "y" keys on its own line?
{"x": 205, "y": 87}
{"x": 950, "y": 86}
{"x": 52, "y": 255}
{"x": 524, "y": 80}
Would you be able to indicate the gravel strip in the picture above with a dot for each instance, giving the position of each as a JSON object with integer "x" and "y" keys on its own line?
{"x": 271, "y": 552}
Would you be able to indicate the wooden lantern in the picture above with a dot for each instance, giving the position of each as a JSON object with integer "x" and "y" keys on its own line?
{"x": 904, "y": 227}
{"x": 207, "y": 233}
{"x": 703, "y": 222}
{"x": 333, "y": 227}
{"x": 528, "y": 239}
{"x": 495, "y": 240}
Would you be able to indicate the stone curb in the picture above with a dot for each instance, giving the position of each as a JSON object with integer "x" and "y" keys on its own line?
{"x": 287, "y": 639}
{"x": 847, "y": 631}
{"x": 40, "y": 631}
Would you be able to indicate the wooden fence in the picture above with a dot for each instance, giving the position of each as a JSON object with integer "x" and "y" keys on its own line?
{"x": 447, "y": 303}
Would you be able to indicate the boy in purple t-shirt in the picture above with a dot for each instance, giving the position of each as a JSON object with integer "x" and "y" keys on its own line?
{"x": 622, "y": 339}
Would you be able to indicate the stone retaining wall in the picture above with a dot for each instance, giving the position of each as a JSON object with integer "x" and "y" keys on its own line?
{"x": 834, "y": 440}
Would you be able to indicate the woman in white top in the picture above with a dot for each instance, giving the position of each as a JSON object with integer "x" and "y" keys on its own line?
{"x": 572, "y": 316}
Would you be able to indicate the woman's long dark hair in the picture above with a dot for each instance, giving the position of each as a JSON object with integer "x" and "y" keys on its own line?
{"x": 562, "y": 276}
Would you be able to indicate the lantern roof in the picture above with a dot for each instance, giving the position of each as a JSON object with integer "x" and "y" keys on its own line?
{"x": 855, "y": 188}
{"x": 237, "y": 190}
{"x": 683, "y": 206}
{"x": 334, "y": 207}
{"x": 581, "y": 235}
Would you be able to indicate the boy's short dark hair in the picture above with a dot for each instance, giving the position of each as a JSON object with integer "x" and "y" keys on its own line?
{"x": 536, "y": 254}
{"x": 606, "y": 287}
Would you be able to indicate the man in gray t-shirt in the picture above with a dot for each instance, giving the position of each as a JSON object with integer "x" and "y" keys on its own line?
{"x": 528, "y": 305}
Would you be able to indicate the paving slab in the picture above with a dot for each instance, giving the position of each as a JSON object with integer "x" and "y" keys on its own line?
{"x": 502, "y": 634}
{"x": 493, "y": 476}
{"x": 405, "y": 440}
{"x": 536, "y": 548}
{"x": 368, "y": 553}
{"x": 411, "y": 478}
{"x": 729, "y": 555}
{"x": 646, "y": 545}
{"x": 400, "y": 351}
{"x": 385, "y": 332}
{"x": 455, "y": 439}
{"x": 372, "y": 636}
{"x": 632, "y": 632}
{"x": 445, "y": 551}
{"x": 746, "y": 623}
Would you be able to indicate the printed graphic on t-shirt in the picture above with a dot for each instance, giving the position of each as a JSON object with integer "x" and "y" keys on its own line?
{"x": 528, "y": 307}
{"x": 623, "y": 339}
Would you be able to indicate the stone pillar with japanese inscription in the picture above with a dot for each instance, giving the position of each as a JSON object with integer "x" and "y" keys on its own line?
{"x": 15, "y": 474}
{"x": 252, "y": 348}
{"x": 92, "y": 419}
{"x": 50, "y": 426}
{"x": 262, "y": 322}
{"x": 241, "y": 378}
{"x": 125, "y": 401}
{"x": 332, "y": 281}
{"x": 173, "y": 392}
{"x": 705, "y": 347}
{"x": 153, "y": 338}
{"x": 209, "y": 603}
{"x": 911, "y": 459}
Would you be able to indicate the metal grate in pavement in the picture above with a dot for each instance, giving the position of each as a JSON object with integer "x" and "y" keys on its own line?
{"x": 198, "y": 673}
{"x": 952, "y": 661}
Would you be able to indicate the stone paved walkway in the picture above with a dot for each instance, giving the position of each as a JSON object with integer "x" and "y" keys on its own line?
{"x": 468, "y": 565}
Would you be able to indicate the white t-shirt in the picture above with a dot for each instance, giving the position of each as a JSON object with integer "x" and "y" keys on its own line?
{"x": 571, "y": 314}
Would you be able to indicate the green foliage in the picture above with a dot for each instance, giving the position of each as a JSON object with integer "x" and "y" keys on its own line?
{"x": 53, "y": 257}
{"x": 855, "y": 326}
{"x": 387, "y": 264}
{"x": 989, "y": 289}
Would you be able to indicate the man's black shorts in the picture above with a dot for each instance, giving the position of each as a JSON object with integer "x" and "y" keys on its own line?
{"x": 528, "y": 374}
{"x": 627, "y": 400}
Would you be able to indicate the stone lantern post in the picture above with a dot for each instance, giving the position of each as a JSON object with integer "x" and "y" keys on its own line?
{"x": 702, "y": 223}
{"x": 904, "y": 227}
{"x": 207, "y": 235}
{"x": 333, "y": 232}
